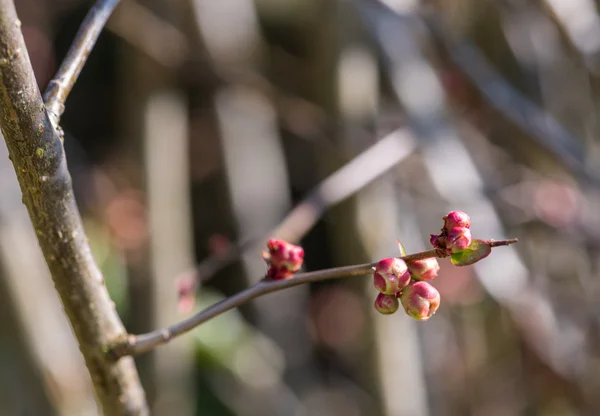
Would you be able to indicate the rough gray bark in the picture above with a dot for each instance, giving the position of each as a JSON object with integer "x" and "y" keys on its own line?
{"x": 37, "y": 154}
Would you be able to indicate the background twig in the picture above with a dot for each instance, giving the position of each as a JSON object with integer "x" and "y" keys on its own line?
{"x": 349, "y": 179}
{"x": 500, "y": 94}
{"x": 60, "y": 86}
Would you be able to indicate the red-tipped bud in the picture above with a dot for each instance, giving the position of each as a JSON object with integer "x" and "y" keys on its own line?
{"x": 425, "y": 269}
{"x": 391, "y": 275}
{"x": 456, "y": 219}
{"x": 386, "y": 304}
{"x": 285, "y": 254}
{"x": 278, "y": 273}
{"x": 420, "y": 300}
{"x": 459, "y": 238}
{"x": 284, "y": 259}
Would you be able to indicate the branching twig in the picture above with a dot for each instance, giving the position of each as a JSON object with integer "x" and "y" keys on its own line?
{"x": 60, "y": 86}
{"x": 137, "y": 344}
{"x": 39, "y": 161}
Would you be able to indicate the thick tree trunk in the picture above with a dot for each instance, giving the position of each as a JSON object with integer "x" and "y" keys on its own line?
{"x": 37, "y": 153}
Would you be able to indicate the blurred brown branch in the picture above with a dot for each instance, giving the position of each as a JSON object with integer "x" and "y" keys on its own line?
{"x": 501, "y": 95}
{"x": 137, "y": 344}
{"x": 343, "y": 183}
{"x": 150, "y": 33}
{"x": 38, "y": 157}
{"x": 60, "y": 86}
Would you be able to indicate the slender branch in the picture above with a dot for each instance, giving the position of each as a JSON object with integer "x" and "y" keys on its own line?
{"x": 137, "y": 344}
{"x": 341, "y": 184}
{"x": 38, "y": 157}
{"x": 541, "y": 126}
{"x": 59, "y": 88}
{"x": 151, "y": 34}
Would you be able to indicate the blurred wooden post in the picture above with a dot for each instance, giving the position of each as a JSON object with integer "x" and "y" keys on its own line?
{"x": 155, "y": 121}
{"x": 378, "y": 220}
{"x": 168, "y": 184}
{"x": 257, "y": 179}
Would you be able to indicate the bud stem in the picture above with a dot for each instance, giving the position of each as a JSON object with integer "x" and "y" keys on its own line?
{"x": 499, "y": 243}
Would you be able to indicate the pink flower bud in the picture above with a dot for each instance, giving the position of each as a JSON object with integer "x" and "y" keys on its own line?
{"x": 278, "y": 273}
{"x": 386, "y": 304}
{"x": 391, "y": 275}
{"x": 420, "y": 300}
{"x": 284, "y": 259}
{"x": 425, "y": 269}
{"x": 459, "y": 238}
{"x": 456, "y": 219}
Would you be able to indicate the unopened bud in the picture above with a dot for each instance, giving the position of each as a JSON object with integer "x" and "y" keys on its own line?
{"x": 425, "y": 269}
{"x": 391, "y": 275}
{"x": 284, "y": 259}
{"x": 459, "y": 238}
{"x": 456, "y": 219}
{"x": 278, "y": 273}
{"x": 420, "y": 300}
{"x": 386, "y": 304}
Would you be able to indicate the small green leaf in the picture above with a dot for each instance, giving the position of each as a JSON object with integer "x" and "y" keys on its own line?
{"x": 401, "y": 247}
{"x": 478, "y": 250}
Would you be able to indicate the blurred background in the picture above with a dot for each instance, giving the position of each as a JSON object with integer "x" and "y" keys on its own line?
{"x": 199, "y": 128}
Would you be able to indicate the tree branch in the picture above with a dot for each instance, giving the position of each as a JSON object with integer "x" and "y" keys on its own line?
{"x": 501, "y": 95}
{"x": 59, "y": 88}
{"x": 341, "y": 184}
{"x": 137, "y": 344}
{"x": 38, "y": 157}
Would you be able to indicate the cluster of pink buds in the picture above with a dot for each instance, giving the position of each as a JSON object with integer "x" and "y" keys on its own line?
{"x": 284, "y": 259}
{"x": 408, "y": 281}
{"x": 401, "y": 280}
{"x": 455, "y": 235}
{"x": 395, "y": 279}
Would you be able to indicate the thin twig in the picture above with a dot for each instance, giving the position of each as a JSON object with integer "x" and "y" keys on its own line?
{"x": 150, "y": 33}
{"x": 137, "y": 344}
{"x": 61, "y": 85}
{"x": 39, "y": 161}
{"x": 500, "y": 243}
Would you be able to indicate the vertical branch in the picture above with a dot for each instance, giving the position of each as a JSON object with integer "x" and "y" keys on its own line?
{"x": 38, "y": 157}
{"x": 59, "y": 88}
